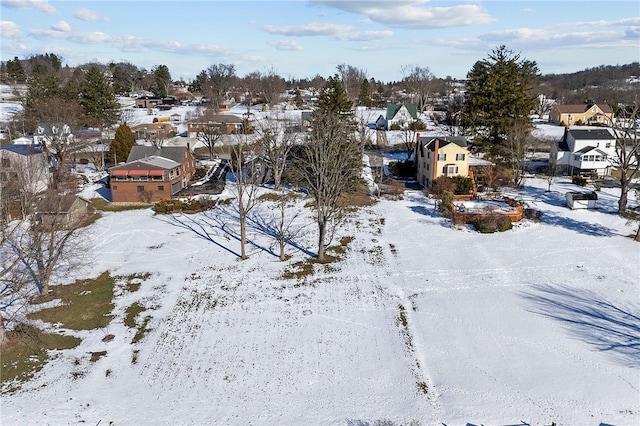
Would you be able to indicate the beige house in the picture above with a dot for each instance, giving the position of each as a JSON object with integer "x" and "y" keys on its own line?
{"x": 440, "y": 156}
{"x": 568, "y": 115}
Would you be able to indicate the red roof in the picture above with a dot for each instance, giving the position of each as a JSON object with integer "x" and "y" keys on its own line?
{"x": 138, "y": 172}
{"x": 156, "y": 172}
{"x": 119, "y": 172}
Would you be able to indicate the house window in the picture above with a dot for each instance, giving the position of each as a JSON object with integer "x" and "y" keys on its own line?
{"x": 459, "y": 157}
{"x": 160, "y": 187}
{"x": 450, "y": 170}
{"x": 608, "y": 145}
{"x": 140, "y": 188}
{"x": 114, "y": 188}
{"x": 121, "y": 178}
{"x": 442, "y": 157}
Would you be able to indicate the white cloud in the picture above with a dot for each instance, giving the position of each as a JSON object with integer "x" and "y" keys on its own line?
{"x": 286, "y": 45}
{"x": 602, "y": 23}
{"x": 314, "y": 29}
{"x": 87, "y": 15}
{"x": 9, "y": 29}
{"x": 40, "y": 5}
{"x": 61, "y": 26}
{"x": 536, "y": 38}
{"x": 414, "y": 13}
{"x": 365, "y": 36}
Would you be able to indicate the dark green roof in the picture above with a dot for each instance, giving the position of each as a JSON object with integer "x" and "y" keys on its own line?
{"x": 392, "y": 110}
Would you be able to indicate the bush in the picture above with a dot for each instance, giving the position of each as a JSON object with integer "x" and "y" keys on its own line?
{"x": 179, "y": 206}
{"x": 463, "y": 184}
{"x": 442, "y": 185}
{"x": 578, "y": 180}
{"x": 402, "y": 168}
{"x": 446, "y": 203}
{"x": 489, "y": 225}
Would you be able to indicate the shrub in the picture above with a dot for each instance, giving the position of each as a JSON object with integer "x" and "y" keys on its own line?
{"x": 402, "y": 168}
{"x": 441, "y": 185}
{"x": 446, "y": 203}
{"x": 463, "y": 184}
{"x": 578, "y": 180}
{"x": 180, "y": 206}
{"x": 491, "y": 224}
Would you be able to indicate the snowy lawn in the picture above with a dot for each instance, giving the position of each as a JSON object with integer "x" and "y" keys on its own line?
{"x": 417, "y": 321}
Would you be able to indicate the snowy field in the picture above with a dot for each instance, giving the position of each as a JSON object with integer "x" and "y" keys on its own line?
{"x": 418, "y": 321}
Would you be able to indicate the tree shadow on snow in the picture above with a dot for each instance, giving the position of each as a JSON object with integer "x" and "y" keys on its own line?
{"x": 577, "y": 225}
{"x": 589, "y": 317}
{"x": 268, "y": 226}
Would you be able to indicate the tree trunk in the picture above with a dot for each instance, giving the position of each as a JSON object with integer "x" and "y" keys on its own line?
{"x": 243, "y": 235}
{"x": 624, "y": 189}
{"x": 322, "y": 230}
{"x": 3, "y": 331}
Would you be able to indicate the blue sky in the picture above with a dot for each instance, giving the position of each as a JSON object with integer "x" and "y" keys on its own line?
{"x": 302, "y": 38}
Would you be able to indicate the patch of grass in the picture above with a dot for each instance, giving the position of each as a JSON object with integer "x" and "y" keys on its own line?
{"x": 86, "y": 304}
{"x": 103, "y": 205}
{"x": 26, "y": 353}
{"x": 338, "y": 250}
{"x": 142, "y": 330}
{"x": 134, "y": 280}
{"x": 131, "y": 313}
{"x": 95, "y": 356}
{"x": 422, "y": 387}
{"x": 299, "y": 270}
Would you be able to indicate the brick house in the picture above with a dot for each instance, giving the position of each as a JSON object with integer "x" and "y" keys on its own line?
{"x": 152, "y": 174}
{"x": 226, "y": 124}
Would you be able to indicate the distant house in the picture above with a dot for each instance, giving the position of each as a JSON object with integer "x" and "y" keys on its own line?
{"x": 402, "y": 115}
{"x": 151, "y": 174}
{"x": 62, "y": 210}
{"x": 156, "y": 101}
{"x": 25, "y": 167}
{"x": 440, "y": 156}
{"x": 569, "y": 115}
{"x": 46, "y": 133}
{"x": 380, "y": 123}
{"x": 153, "y": 131}
{"x": 224, "y": 123}
{"x": 584, "y": 151}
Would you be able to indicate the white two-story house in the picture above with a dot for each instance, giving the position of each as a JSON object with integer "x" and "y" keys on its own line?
{"x": 584, "y": 151}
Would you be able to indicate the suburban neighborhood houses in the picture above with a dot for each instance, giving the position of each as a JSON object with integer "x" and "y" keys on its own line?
{"x": 341, "y": 251}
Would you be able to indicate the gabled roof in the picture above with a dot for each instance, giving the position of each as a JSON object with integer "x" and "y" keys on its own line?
{"x": 591, "y": 133}
{"x": 24, "y": 150}
{"x": 217, "y": 119}
{"x": 392, "y": 110}
{"x": 580, "y": 108}
{"x": 587, "y": 149}
{"x": 430, "y": 142}
{"x": 138, "y": 152}
{"x": 56, "y": 203}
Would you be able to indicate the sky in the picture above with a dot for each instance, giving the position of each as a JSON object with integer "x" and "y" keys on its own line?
{"x": 304, "y": 38}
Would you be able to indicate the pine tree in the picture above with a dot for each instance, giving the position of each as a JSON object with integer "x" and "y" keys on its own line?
{"x": 121, "y": 145}
{"x": 333, "y": 98}
{"x": 499, "y": 93}
{"x": 98, "y": 99}
{"x": 364, "y": 98}
{"x": 162, "y": 80}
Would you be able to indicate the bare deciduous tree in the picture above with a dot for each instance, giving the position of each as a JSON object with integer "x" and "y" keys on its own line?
{"x": 330, "y": 166}
{"x": 518, "y": 139}
{"x": 627, "y": 159}
{"x": 418, "y": 81}
{"x": 276, "y": 138}
{"x": 351, "y": 78}
{"x": 244, "y": 173}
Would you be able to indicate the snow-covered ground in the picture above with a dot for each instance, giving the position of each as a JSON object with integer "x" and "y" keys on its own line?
{"x": 418, "y": 321}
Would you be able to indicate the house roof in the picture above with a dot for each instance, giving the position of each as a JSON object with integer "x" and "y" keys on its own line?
{"x": 580, "y": 108}
{"x": 591, "y": 133}
{"x": 587, "y": 149}
{"x": 392, "y": 110}
{"x": 429, "y": 142}
{"x": 138, "y": 152}
{"x": 217, "y": 118}
{"x": 24, "y": 150}
{"x": 148, "y": 163}
{"x": 56, "y": 203}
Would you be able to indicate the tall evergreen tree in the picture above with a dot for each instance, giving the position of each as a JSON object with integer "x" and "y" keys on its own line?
{"x": 499, "y": 93}
{"x": 121, "y": 145}
{"x": 16, "y": 71}
{"x": 333, "y": 97}
{"x": 97, "y": 98}
{"x": 44, "y": 82}
{"x": 162, "y": 80}
{"x": 364, "y": 97}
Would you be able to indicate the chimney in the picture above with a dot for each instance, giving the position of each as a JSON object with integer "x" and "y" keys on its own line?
{"x": 436, "y": 147}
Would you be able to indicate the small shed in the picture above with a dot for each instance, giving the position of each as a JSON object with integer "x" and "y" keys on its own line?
{"x": 581, "y": 200}
{"x": 62, "y": 210}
